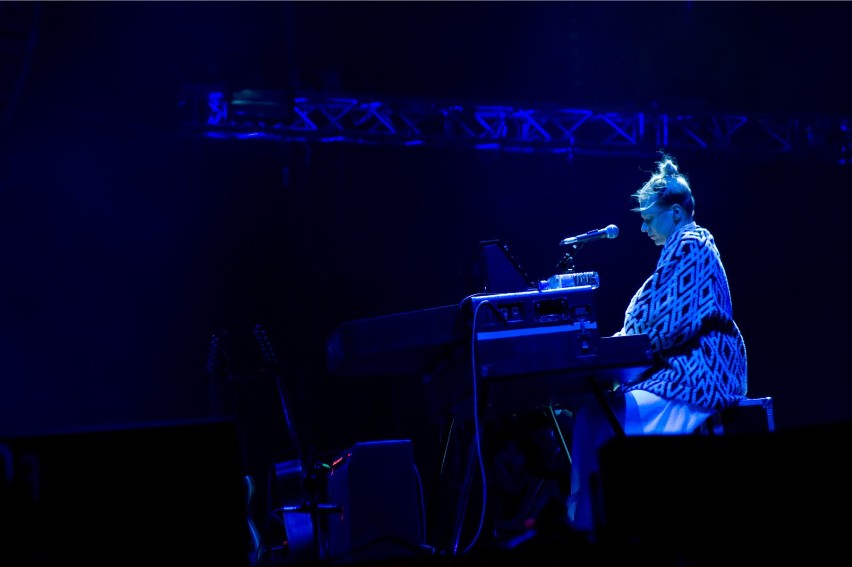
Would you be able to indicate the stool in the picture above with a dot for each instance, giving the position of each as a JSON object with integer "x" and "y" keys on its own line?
{"x": 747, "y": 415}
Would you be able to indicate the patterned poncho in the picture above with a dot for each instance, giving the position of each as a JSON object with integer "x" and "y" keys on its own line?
{"x": 685, "y": 309}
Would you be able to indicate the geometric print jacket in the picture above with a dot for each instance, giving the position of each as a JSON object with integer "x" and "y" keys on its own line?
{"x": 685, "y": 309}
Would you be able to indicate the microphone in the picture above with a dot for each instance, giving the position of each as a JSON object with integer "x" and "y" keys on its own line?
{"x": 609, "y": 232}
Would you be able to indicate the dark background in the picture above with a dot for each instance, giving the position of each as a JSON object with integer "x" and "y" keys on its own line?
{"x": 127, "y": 244}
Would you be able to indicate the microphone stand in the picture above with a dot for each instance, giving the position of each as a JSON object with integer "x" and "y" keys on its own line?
{"x": 566, "y": 264}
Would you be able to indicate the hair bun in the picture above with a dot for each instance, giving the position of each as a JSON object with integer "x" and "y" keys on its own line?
{"x": 668, "y": 167}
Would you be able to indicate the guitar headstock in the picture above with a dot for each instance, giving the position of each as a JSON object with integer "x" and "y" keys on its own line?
{"x": 269, "y": 355}
{"x": 213, "y": 358}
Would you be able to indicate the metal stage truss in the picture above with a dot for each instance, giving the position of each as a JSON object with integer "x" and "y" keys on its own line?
{"x": 275, "y": 116}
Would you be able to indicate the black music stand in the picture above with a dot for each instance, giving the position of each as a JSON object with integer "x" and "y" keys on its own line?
{"x": 500, "y": 272}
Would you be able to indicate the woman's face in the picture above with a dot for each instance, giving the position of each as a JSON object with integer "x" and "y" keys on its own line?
{"x": 659, "y": 222}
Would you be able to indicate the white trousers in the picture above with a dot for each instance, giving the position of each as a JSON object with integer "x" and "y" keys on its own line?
{"x": 639, "y": 413}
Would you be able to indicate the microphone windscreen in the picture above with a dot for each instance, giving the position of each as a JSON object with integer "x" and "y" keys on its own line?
{"x": 611, "y": 231}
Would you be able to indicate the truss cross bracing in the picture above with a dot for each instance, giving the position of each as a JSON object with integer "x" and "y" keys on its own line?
{"x": 543, "y": 129}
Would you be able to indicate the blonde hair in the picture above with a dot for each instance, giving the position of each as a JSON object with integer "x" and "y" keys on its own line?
{"x": 666, "y": 187}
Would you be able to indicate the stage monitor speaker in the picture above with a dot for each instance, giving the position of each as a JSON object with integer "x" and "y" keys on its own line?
{"x": 778, "y": 492}
{"x": 376, "y": 487}
{"x": 164, "y": 494}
